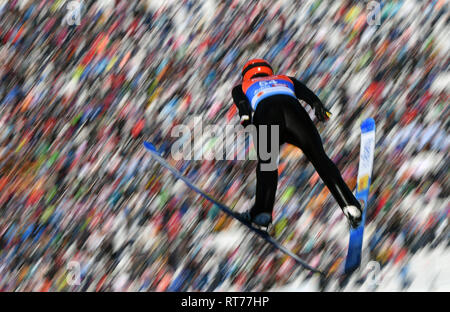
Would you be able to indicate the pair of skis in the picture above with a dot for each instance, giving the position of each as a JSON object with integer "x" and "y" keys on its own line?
{"x": 356, "y": 235}
{"x": 263, "y": 234}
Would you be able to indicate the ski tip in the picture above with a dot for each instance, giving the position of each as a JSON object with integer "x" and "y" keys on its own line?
{"x": 368, "y": 125}
{"x": 151, "y": 147}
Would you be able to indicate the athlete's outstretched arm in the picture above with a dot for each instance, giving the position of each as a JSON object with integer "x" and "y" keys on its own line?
{"x": 302, "y": 92}
{"x": 243, "y": 105}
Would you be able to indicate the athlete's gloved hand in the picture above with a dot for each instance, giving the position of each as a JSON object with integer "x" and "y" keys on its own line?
{"x": 245, "y": 113}
{"x": 321, "y": 112}
{"x": 245, "y": 120}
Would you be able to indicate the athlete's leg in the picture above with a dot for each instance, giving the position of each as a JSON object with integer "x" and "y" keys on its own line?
{"x": 266, "y": 187}
{"x": 301, "y": 132}
{"x": 268, "y": 115}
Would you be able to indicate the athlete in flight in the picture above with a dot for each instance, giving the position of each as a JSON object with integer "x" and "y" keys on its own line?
{"x": 267, "y": 99}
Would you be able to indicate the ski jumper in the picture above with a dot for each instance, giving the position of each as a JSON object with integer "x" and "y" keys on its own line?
{"x": 273, "y": 100}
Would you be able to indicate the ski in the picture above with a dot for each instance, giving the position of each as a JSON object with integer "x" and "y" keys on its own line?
{"x": 366, "y": 156}
{"x": 263, "y": 234}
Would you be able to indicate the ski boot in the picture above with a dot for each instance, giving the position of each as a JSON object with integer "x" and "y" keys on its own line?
{"x": 354, "y": 215}
{"x": 261, "y": 221}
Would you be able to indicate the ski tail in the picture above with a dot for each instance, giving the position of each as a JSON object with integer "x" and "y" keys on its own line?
{"x": 264, "y": 235}
{"x": 364, "y": 179}
{"x": 151, "y": 148}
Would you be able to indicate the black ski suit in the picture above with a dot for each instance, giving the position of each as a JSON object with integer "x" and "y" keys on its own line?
{"x": 297, "y": 128}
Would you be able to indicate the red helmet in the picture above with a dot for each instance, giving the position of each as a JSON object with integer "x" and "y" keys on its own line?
{"x": 255, "y": 67}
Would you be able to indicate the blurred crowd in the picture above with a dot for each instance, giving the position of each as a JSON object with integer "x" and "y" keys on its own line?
{"x": 84, "y": 208}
